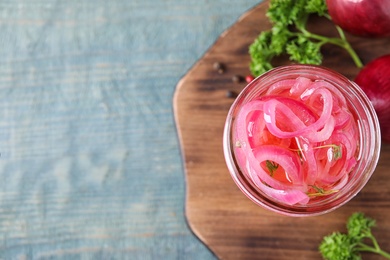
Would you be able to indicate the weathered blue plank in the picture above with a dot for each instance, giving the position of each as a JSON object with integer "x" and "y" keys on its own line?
{"x": 90, "y": 165}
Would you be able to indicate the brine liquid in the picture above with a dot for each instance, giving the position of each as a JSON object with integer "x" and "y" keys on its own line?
{"x": 297, "y": 142}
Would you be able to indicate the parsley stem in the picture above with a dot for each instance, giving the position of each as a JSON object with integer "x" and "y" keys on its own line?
{"x": 347, "y": 46}
{"x": 373, "y": 239}
{"x": 341, "y": 42}
{"x": 378, "y": 250}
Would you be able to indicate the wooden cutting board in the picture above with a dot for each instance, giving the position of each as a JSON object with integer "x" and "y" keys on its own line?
{"x": 218, "y": 213}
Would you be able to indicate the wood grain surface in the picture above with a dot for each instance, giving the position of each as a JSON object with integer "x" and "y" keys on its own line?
{"x": 218, "y": 213}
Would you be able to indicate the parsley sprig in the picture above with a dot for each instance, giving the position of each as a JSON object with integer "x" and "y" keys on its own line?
{"x": 358, "y": 239}
{"x": 290, "y": 36}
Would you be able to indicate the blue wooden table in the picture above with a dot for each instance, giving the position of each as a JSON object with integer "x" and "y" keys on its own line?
{"x": 90, "y": 166}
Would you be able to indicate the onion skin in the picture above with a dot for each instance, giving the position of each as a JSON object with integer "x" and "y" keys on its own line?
{"x": 369, "y": 18}
{"x": 374, "y": 79}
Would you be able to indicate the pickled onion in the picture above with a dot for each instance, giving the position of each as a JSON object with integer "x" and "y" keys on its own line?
{"x": 305, "y": 131}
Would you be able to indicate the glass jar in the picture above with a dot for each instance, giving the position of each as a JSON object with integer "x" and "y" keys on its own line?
{"x": 301, "y": 140}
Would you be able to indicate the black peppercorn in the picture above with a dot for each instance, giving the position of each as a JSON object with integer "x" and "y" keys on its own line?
{"x": 219, "y": 67}
{"x": 236, "y": 78}
{"x": 231, "y": 94}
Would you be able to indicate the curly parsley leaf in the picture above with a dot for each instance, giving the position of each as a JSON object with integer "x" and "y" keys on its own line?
{"x": 316, "y": 7}
{"x": 261, "y": 53}
{"x": 304, "y": 51}
{"x": 359, "y": 226}
{"x": 286, "y": 12}
{"x": 339, "y": 246}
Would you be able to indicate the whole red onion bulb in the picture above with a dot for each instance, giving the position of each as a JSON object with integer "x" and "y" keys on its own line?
{"x": 374, "y": 79}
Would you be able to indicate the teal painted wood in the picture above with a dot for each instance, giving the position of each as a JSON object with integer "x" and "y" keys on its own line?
{"x": 90, "y": 166}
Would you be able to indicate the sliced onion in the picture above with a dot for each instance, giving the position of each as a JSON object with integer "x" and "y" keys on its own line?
{"x": 310, "y": 163}
{"x": 339, "y": 167}
{"x": 241, "y": 123}
{"x": 280, "y": 86}
{"x": 299, "y": 86}
{"x": 297, "y": 126}
{"x": 286, "y": 195}
{"x": 324, "y": 84}
{"x": 284, "y": 158}
{"x": 294, "y": 121}
{"x": 270, "y": 118}
{"x": 324, "y": 133}
{"x": 341, "y": 183}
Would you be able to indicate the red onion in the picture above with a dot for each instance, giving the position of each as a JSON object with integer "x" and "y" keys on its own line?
{"x": 374, "y": 79}
{"x": 361, "y": 17}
